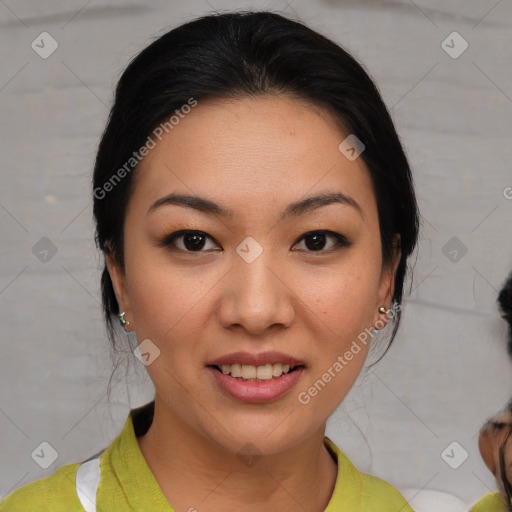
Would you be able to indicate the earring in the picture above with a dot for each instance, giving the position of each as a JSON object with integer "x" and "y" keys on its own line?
{"x": 123, "y": 321}
{"x": 382, "y": 309}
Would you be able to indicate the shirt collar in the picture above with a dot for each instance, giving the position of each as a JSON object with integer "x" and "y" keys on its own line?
{"x": 140, "y": 484}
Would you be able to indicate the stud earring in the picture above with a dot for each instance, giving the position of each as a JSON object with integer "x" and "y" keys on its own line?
{"x": 382, "y": 309}
{"x": 123, "y": 321}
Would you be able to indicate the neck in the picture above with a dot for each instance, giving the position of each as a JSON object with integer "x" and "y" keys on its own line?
{"x": 194, "y": 471}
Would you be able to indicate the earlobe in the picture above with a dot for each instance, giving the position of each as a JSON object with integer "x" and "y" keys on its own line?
{"x": 387, "y": 284}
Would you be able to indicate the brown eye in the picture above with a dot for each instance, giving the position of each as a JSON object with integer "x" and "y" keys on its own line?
{"x": 195, "y": 241}
{"x": 316, "y": 241}
{"x": 187, "y": 241}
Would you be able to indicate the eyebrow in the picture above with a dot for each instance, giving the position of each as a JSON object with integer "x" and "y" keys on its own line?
{"x": 292, "y": 210}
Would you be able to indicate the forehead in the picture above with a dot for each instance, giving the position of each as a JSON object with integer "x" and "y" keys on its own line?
{"x": 265, "y": 150}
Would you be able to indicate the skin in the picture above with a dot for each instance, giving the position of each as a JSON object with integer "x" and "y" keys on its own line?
{"x": 253, "y": 156}
{"x": 493, "y": 436}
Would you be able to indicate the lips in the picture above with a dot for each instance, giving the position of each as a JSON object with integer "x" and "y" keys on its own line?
{"x": 237, "y": 375}
{"x": 253, "y": 390}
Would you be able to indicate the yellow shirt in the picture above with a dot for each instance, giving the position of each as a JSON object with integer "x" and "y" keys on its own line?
{"x": 492, "y": 502}
{"x": 127, "y": 483}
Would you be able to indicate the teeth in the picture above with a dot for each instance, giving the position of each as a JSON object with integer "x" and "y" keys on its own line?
{"x": 277, "y": 370}
{"x": 236, "y": 370}
{"x": 264, "y": 372}
{"x": 249, "y": 371}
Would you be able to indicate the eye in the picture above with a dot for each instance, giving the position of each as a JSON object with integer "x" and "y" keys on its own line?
{"x": 189, "y": 241}
{"x": 195, "y": 241}
{"x": 315, "y": 241}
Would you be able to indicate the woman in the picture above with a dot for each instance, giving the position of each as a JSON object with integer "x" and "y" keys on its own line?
{"x": 256, "y": 211}
{"x": 495, "y": 436}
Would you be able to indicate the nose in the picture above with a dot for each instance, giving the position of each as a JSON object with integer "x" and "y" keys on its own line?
{"x": 257, "y": 297}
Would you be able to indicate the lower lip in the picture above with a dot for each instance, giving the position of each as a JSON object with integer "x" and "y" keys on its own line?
{"x": 263, "y": 391}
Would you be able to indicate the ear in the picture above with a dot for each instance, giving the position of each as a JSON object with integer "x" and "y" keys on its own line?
{"x": 387, "y": 280}
{"x": 119, "y": 283}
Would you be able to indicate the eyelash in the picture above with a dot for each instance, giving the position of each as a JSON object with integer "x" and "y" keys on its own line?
{"x": 340, "y": 241}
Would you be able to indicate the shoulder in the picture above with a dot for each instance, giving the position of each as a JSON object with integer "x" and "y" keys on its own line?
{"x": 55, "y": 493}
{"x": 492, "y": 502}
{"x": 58, "y": 492}
{"x": 361, "y": 491}
{"x": 375, "y": 490}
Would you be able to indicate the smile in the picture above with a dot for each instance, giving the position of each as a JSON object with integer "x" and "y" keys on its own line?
{"x": 254, "y": 389}
{"x": 249, "y": 372}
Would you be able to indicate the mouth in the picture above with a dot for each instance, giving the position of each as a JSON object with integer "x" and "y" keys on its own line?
{"x": 251, "y": 378}
{"x": 252, "y": 373}
{"x": 254, "y": 390}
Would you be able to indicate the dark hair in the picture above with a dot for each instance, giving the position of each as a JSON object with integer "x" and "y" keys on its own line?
{"x": 505, "y": 305}
{"x": 237, "y": 54}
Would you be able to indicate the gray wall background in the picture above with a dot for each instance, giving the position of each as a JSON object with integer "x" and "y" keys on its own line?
{"x": 447, "y": 370}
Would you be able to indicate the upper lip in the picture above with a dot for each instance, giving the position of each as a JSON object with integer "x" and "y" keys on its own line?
{"x": 255, "y": 359}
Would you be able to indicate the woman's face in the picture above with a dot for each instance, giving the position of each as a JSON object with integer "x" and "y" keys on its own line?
{"x": 260, "y": 270}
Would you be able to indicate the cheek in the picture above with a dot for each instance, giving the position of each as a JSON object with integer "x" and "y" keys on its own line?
{"x": 344, "y": 303}
{"x": 345, "y": 299}
{"x": 165, "y": 300}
